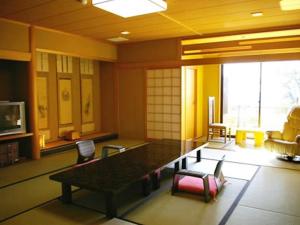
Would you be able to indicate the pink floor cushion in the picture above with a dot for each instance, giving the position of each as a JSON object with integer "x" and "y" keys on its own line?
{"x": 195, "y": 185}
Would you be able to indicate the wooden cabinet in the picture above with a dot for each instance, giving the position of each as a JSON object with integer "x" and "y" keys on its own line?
{"x": 14, "y": 79}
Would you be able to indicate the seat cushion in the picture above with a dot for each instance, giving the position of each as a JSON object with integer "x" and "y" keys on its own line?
{"x": 195, "y": 185}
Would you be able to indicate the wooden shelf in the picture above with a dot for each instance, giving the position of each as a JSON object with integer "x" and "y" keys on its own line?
{"x": 61, "y": 145}
{"x": 15, "y": 136}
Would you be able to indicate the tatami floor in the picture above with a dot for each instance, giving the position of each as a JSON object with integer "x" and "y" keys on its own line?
{"x": 261, "y": 190}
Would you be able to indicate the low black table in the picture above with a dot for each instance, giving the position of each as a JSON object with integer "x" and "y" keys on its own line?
{"x": 114, "y": 174}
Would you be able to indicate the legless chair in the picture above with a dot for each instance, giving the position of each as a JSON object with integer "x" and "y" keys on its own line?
{"x": 200, "y": 183}
{"x": 215, "y": 129}
{"x": 86, "y": 151}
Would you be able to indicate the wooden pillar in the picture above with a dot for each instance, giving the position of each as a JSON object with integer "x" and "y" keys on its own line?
{"x": 32, "y": 102}
{"x": 116, "y": 99}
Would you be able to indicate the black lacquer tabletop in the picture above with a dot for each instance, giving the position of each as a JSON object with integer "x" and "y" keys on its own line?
{"x": 113, "y": 174}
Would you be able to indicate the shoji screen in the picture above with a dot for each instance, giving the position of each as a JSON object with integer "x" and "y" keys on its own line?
{"x": 164, "y": 103}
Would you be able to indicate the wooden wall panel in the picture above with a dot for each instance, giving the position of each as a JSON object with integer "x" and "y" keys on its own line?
{"x": 199, "y": 101}
{"x": 74, "y": 45}
{"x": 158, "y": 50}
{"x": 53, "y": 106}
{"x": 6, "y": 76}
{"x": 76, "y": 94}
{"x": 14, "y": 36}
{"x": 108, "y": 97}
{"x": 97, "y": 96}
{"x": 211, "y": 87}
{"x": 131, "y": 103}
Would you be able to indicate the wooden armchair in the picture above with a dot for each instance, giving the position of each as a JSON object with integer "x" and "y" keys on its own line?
{"x": 216, "y": 129}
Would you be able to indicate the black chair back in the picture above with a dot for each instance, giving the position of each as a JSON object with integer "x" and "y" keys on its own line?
{"x": 218, "y": 168}
{"x": 86, "y": 151}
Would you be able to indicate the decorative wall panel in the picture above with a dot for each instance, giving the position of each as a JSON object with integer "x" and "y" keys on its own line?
{"x": 42, "y": 62}
{"x": 87, "y": 127}
{"x": 86, "y": 66}
{"x": 87, "y": 103}
{"x": 164, "y": 103}
{"x": 87, "y": 95}
{"x": 42, "y": 83}
{"x": 64, "y": 64}
{"x": 65, "y": 101}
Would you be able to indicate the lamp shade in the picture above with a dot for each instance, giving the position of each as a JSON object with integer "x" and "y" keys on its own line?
{"x": 129, "y": 8}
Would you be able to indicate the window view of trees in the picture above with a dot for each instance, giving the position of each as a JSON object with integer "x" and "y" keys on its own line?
{"x": 260, "y": 94}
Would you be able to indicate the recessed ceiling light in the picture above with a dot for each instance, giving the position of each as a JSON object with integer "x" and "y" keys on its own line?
{"x": 257, "y": 14}
{"x": 130, "y": 8}
{"x": 117, "y": 39}
{"x": 286, "y": 5}
{"x": 84, "y": 2}
{"x": 125, "y": 32}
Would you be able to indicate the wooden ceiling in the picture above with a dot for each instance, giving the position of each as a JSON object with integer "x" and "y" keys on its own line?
{"x": 183, "y": 18}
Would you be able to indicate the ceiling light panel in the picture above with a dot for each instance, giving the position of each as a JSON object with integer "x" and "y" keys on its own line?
{"x": 129, "y": 8}
{"x": 287, "y": 5}
{"x": 117, "y": 39}
{"x": 256, "y": 14}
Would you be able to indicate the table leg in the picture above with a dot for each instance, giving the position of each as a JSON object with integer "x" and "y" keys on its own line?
{"x": 206, "y": 189}
{"x": 240, "y": 137}
{"x": 184, "y": 164}
{"x": 111, "y": 206}
{"x": 199, "y": 155}
{"x": 155, "y": 178}
{"x": 66, "y": 193}
{"x": 146, "y": 185}
{"x": 176, "y": 166}
{"x": 258, "y": 138}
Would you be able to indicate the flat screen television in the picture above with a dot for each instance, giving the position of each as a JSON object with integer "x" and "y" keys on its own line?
{"x": 12, "y": 118}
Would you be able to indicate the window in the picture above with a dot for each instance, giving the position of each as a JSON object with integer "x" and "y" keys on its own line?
{"x": 260, "y": 94}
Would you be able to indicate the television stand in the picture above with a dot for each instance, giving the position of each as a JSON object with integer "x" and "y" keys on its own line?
{"x": 14, "y": 136}
{"x": 10, "y": 151}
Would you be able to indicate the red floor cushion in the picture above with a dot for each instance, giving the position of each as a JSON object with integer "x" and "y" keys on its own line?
{"x": 195, "y": 185}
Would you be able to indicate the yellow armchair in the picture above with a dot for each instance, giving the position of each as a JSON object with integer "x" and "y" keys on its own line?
{"x": 287, "y": 141}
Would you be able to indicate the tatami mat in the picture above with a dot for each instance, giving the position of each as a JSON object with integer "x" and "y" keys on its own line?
{"x": 161, "y": 208}
{"x": 56, "y": 213}
{"x": 254, "y": 156}
{"x": 276, "y": 190}
{"x": 181, "y": 208}
{"x": 230, "y": 169}
{"x": 249, "y": 216}
{"x": 23, "y": 196}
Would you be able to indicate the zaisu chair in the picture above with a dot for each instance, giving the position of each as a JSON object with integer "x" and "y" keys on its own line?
{"x": 200, "y": 183}
{"x": 106, "y": 148}
{"x": 86, "y": 151}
